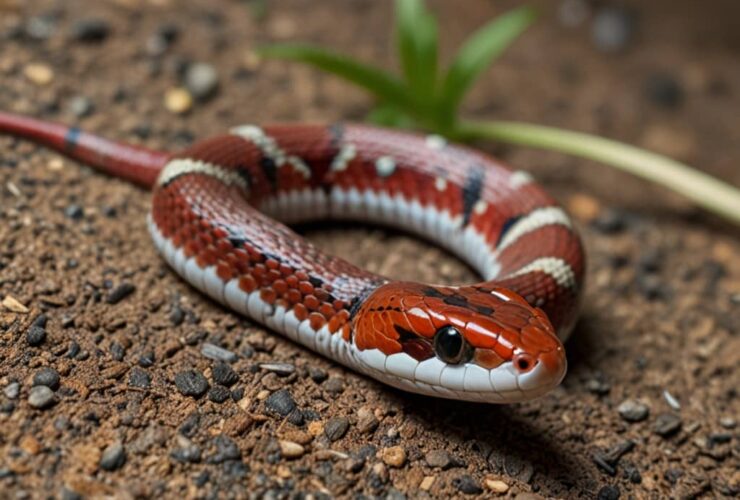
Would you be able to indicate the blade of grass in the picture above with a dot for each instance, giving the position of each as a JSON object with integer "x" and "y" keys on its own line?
{"x": 383, "y": 86}
{"x": 477, "y": 54}
{"x": 416, "y": 34}
{"x": 706, "y": 191}
{"x": 386, "y": 115}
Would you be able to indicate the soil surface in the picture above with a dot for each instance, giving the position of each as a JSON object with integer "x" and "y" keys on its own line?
{"x": 117, "y": 379}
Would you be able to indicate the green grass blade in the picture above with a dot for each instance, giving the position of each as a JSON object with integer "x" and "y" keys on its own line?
{"x": 386, "y": 115}
{"x": 704, "y": 190}
{"x": 478, "y": 53}
{"x": 383, "y": 86}
{"x": 416, "y": 34}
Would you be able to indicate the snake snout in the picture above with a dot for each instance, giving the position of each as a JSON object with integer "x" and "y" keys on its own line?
{"x": 542, "y": 373}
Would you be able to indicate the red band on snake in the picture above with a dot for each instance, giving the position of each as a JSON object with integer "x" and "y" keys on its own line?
{"x": 214, "y": 219}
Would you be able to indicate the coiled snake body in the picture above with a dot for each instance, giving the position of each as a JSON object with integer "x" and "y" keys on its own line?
{"x": 213, "y": 220}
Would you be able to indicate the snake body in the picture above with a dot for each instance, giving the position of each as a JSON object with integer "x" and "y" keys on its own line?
{"x": 214, "y": 219}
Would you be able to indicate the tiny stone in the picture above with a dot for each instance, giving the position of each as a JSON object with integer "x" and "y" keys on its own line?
{"x": 281, "y": 403}
{"x": 147, "y": 359}
{"x": 610, "y": 222}
{"x": 366, "y": 420}
{"x": 191, "y": 383}
{"x": 81, "y": 106}
{"x": 74, "y": 212}
{"x": 113, "y": 457}
{"x": 47, "y": 376}
{"x": 633, "y": 411}
{"x": 40, "y": 321}
{"x": 217, "y": 353}
{"x": 608, "y": 492}
{"x": 120, "y": 292}
{"x": 598, "y": 387}
{"x": 667, "y": 424}
{"x": 223, "y": 374}
{"x": 41, "y": 397}
{"x": 664, "y": 90}
{"x": 219, "y": 394}
{"x": 467, "y": 484}
{"x": 139, "y": 378}
{"x": 439, "y": 459}
{"x": 281, "y": 369}
{"x": 317, "y": 375}
{"x": 335, "y": 385}
{"x": 427, "y": 483}
{"x": 91, "y": 30}
{"x": 12, "y": 304}
{"x": 187, "y": 452}
{"x": 728, "y": 422}
{"x": 612, "y": 29}
{"x": 336, "y": 428}
{"x": 39, "y": 74}
{"x": 496, "y": 485}
{"x": 201, "y": 80}
{"x": 291, "y": 449}
{"x": 395, "y": 456}
{"x": 671, "y": 400}
{"x": 68, "y": 494}
{"x": 35, "y": 336}
{"x": 178, "y": 100}
{"x": 12, "y": 390}
{"x": 226, "y": 449}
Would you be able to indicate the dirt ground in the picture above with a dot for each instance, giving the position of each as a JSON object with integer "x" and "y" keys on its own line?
{"x": 648, "y": 410}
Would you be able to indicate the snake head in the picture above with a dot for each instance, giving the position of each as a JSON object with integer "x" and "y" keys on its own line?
{"x": 477, "y": 343}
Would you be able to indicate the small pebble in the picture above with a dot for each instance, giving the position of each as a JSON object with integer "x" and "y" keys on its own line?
{"x": 336, "y": 428}
{"x": 663, "y": 89}
{"x": 317, "y": 374}
{"x": 439, "y": 459}
{"x": 147, "y": 359}
{"x": 633, "y": 411}
{"x": 41, "y": 397}
{"x": 39, "y": 74}
{"x": 120, "y": 292}
{"x": 113, "y": 457}
{"x": 467, "y": 484}
{"x": 598, "y": 386}
{"x": 217, "y": 353}
{"x": 223, "y": 374}
{"x": 191, "y": 383}
{"x": 427, "y": 483}
{"x": 366, "y": 420}
{"x": 608, "y": 492}
{"x": 496, "y": 485}
{"x": 280, "y": 402}
{"x": 281, "y": 369}
{"x": 672, "y": 401}
{"x": 201, "y": 80}
{"x": 291, "y": 449}
{"x": 178, "y": 100}
{"x": 667, "y": 424}
{"x": 12, "y": 390}
{"x": 728, "y": 422}
{"x": 187, "y": 452}
{"x": 81, "y": 106}
{"x": 47, "y": 376}
{"x": 395, "y": 456}
{"x": 90, "y": 30}
{"x": 35, "y": 336}
{"x": 610, "y": 221}
{"x": 12, "y": 304}
{"x": 139, "y": 378}
{"x": 219, "y": 394}
{"x": 612, "y": 29}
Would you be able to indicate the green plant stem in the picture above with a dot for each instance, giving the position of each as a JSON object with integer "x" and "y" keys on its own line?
{"x": 706, "y": 191}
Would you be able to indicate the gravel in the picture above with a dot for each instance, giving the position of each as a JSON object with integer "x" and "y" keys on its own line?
{"x": 223, "y": 374}
{"x": 120, "y": 292}
{"x": 139, "y": 378}
{"x": 612, "y": 29}
{"x": 41, "y": 397}
{"x": 81, "y": 106}
{"x": 201, "y": 80}
{"x": 280, "y": 402}
{"x": 467, "y": 484}
{"x": 336, "y": 428}
{"x": 608, "y": 492}
{"x": 113, "y": 457}
{"x": 191, "y": 383}
{"x": 90, "y": 30}
{"x": 12, "y": 390}
{"x": 633, "y": 411}
{"x": 280, "y": 369}
{"x": 667, "y": 424}
{"x": 212, "y": 351}
{"x": 35, "y": 336}
{"x": 219, "y": 394}
{"x": 47, "y": 376}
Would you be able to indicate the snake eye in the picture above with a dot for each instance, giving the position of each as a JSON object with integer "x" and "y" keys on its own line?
{"x": 450, "y": 346}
